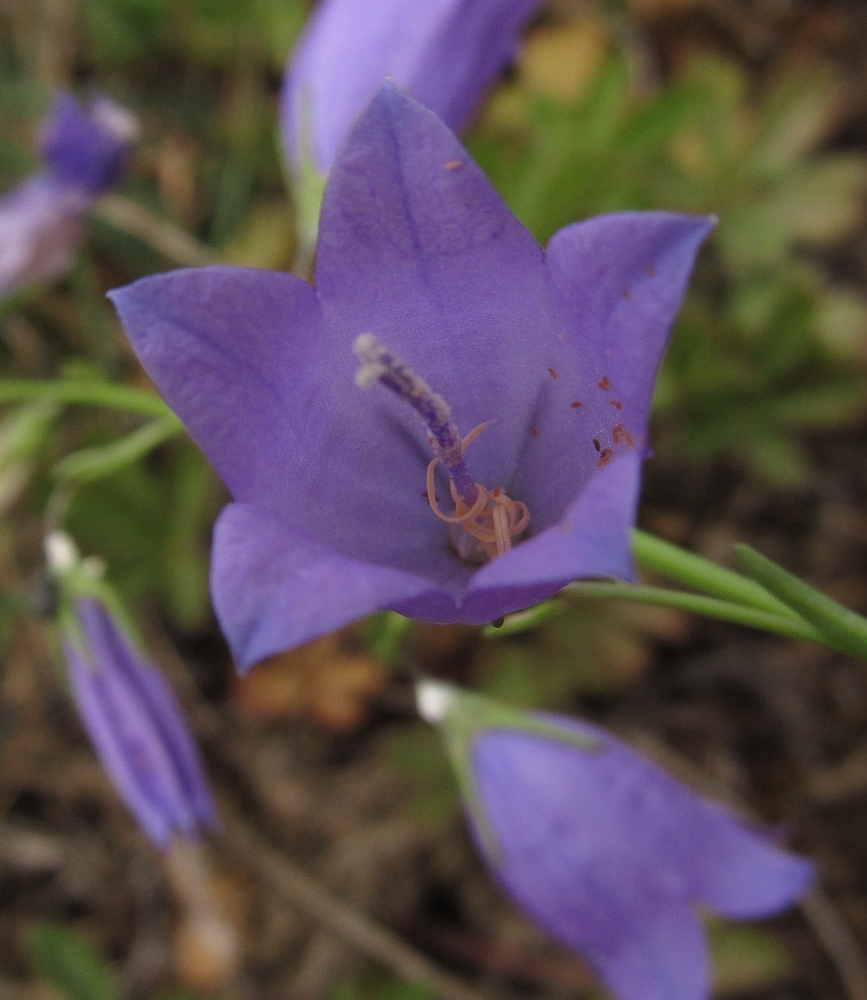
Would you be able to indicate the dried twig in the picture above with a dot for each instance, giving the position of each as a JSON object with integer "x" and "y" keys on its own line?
{"x": 838, "y": 941}
{"x": 169, "y": 240}
{"x": 295, "y": 885}
{"x": 356, "y": 929}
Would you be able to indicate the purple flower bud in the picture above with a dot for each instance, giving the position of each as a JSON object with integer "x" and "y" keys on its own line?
{"x": 443, "y": 52}
{"x": 42, "y": 220}
{"x": 86, "y": 148}
{"x": 136, "y": 726}
{"x": 604, "y": 849}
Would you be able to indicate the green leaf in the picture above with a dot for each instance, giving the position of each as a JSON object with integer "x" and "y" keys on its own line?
{"x": 797, "y": 116}
{"x": 818, "y": 203}
{"x": 68, "y": 961}
{"x": 84, "y": 392}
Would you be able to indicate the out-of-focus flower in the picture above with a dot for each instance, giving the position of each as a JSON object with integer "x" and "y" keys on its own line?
{"x": 42, "y": 220}
{"x": 604, "y": 849}
{"x": 127, "y": 708}
{"x": 443, "y": 52}
{"x": 555, "y": 353}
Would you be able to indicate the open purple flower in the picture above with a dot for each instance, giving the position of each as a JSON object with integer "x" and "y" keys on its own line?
{"x": 42, "y": 220}
{"x": 604, "y": 849}
{"x": 556, "y": 353}
{"x": 443, "y": 52}
{"x": 128, "y": 710}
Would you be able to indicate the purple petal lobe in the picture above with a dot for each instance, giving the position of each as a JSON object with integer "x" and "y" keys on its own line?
{"x": 592, "y": 538}
{"x": 622, "y": 278}
{"x": 229, "y": 349}
{"x": 274, "y": 589}
{"x": 619, "y": 281}
{"x": 418, "y": 249}
{"x": 444, "y": 52}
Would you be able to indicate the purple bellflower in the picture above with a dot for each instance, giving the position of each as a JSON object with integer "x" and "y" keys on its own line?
{"x": 443, "y": 52}
{"x": 128, "y": 710}
{"x": 602, "y": 848}
{"x": 42, "y": 220}
{"x": 345, "y": 501}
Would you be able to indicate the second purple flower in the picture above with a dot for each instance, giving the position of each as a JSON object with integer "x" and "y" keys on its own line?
{"x": 443, "y": 52}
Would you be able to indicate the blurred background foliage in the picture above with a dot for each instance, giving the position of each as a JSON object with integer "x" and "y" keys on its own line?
{"x": 771, "y": 345}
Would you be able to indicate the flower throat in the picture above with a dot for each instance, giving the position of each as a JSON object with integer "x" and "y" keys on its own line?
{"x": 485, "y": 520}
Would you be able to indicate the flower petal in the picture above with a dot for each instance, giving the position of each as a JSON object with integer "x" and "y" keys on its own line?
{"x": 417, "y": 248}
{"x": 242, "y": 357}
{"x": 230, "y": 348}
{"x": 620, "y": 280}
{"x": 739, "y": 873}
{"x": 592, "y": 539}
{"x": 274, "y": 589}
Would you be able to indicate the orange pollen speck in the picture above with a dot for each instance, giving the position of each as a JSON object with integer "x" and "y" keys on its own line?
{"x": 493, "y": 520}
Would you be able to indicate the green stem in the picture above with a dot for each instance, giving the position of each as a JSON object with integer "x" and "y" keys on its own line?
{"x": 842, "y": 628}
{"x": 712, "y": 607}
{"x": 701, "y": 574}
{"x": 87, "y": 393}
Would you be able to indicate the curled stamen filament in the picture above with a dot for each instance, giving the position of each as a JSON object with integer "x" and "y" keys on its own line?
{"x": 494, "y": 519}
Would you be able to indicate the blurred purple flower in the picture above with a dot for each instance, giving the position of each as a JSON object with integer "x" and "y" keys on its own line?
{"x": 604, "y": 849}
{"x": 41, "y": 221}
{"x": 443, "y": 52}
{"x": 127, "y": 708}
{"x": 559, "y": 351}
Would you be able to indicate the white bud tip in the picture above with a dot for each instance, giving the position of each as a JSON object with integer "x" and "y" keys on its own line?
{"x": 60, "y": 551}
{"x": 122, "y": 124}
{"x": 434, "y": 700}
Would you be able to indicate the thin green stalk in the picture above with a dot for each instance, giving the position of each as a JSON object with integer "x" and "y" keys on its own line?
{"x": 701, "y": 574}
{"x": 842, "y": 628}
{"x": 103, "y": 460}
{"x": 83, "y": 392}
{"x": 712, "y": 607}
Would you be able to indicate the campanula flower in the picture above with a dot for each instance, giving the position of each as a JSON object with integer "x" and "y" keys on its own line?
{"x": 443, "y": 52}
{"x": 42, "y": 220}
{"x": 604, "y": 849}
{"x": 127, "y": 708}
{"x": 451, "y": 425}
